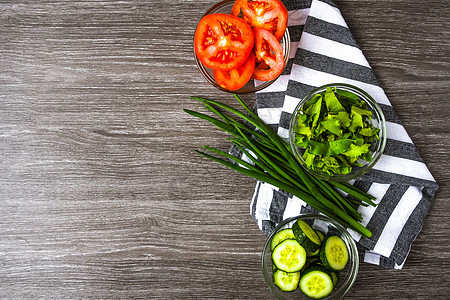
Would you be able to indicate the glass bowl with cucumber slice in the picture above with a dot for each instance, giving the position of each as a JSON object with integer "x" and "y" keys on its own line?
{"x": 337, "y": 132}
{"x": 310, "y": 257}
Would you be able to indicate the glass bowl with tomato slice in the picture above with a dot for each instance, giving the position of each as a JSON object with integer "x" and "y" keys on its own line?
{"x": 238, "y": 55}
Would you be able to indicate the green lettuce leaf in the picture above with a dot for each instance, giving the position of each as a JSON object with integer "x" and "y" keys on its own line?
{"x": 332, "y": 101}
{"x": 313, "y": 100}
{"x": 349, "y": 96}
{"x": 361, "y": 111}
{"x": 357, "y": 123}
{"x": 342, "y": 117}
{"x": 369, "y": 131}
{"x": 313, "y": 112}
{"x": 333, "y": 126}
{"x": 309, "y": 158}
{"x": 318, "y": 148}
{"x": 357, "y": 151}
{"x": 329, "y": 148}
{"x": 339, "y": 146}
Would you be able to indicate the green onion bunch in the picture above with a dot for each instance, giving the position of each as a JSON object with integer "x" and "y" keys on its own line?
{"x": 273, "y": 162}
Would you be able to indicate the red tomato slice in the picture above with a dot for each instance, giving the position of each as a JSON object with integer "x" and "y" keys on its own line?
{"x": 269, "y": 55}
{"x": 223, "y": 42}
{"x": 271, "y": 15}
{"x": 236, "y": 78}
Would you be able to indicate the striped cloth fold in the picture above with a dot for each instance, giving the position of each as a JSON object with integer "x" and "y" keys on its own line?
{"x": 324, "y": 51}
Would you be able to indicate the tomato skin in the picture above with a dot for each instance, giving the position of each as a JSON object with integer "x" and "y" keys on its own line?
{"x": 268, "y": 54}
{"x": 236, "y": 78}
{"x": 271, "y": 15}
{"x": 222, "y": 41}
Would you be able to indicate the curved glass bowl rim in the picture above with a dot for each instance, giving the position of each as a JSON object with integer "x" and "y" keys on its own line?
{"x": 353, "y": 268}
{"x": 360, "y": 170}
{"x": 286, "y": 49}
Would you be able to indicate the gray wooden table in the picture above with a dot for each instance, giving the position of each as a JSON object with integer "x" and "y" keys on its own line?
{"x": 101, "y": 194}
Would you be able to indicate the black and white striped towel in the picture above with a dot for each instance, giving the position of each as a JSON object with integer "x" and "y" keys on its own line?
{"x": 323, "y": 51}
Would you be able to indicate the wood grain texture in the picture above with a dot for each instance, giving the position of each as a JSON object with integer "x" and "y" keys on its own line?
{"x": 101, "y": 195}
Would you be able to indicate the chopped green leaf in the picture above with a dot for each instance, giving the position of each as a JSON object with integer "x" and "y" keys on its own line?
{"x": 342, "y": 117}
{"x": 309, "y": 158}
{"x": 361, "y": 111}
{"x": 370, "y": 131}
{"x": 356, "y": 151}
{"x": 367, "y": 157}
{"x": 333, "y": 126}
{"x": 329, "y": 148}
{"x": 339, "y": 146}
{"x": 318, "y": 148}
{"x": 313, "y": 100}
{"x": 314, "y": 111}
{"x": 348, "y": 96}
{"x": 332, "y": 101}
{"x": 357, "y": 123}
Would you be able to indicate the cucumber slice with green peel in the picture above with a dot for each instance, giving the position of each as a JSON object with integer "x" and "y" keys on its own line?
{"x": 286, "y": 281}
{"x": 280, "y": 236}
{"x": 289, "y": 256}
{"x": 335, "y": 277}
{"x": 315, "y": 253}
{"x": 306, "y": 236}
{"x": 309, "y": 262}
{"x": 320, "y": 235}
{"x": 316, "y": 282}
{"x": 334, "y": 253}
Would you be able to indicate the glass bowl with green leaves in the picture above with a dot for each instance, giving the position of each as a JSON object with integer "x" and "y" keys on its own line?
{"x": 337, "y": 132}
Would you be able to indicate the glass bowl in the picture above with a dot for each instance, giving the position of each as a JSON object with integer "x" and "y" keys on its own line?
{"x": 347, "y": 276}
{"x": 376, "y": 149}
{"x": 253, "y": 85}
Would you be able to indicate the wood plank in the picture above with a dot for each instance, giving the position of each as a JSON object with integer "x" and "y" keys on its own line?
{"x": 101, "y": 194}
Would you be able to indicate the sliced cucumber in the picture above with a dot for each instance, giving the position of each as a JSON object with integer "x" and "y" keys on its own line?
{"x": 289, "y": 256}
{"x": 286, "y": 281}
{"x": 334, "y": 253}
{"x": 280, "y": 236}
{"x": 320, "y": 235}
{"x": 309, "y": 261}
{"x": 315, "y": 253}
{"x": 335, "y": 277}
{"x": 306, "y": 236}
{"x": 321, "y": 238}
{"x": 316, "y": 282}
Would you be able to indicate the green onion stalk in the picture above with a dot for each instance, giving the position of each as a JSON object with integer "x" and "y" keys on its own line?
{"x": 273, "y": 162}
